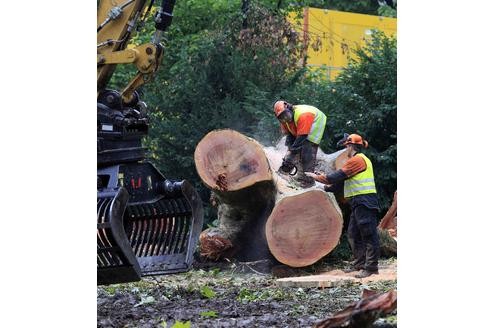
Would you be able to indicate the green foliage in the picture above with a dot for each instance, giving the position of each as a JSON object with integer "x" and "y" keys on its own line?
{"x": 207, "y": 292}
{"x": 387, "y": 10}
{"x": 209, "y": 314}
{"x": 247, "y": 295}
{"x": 362, "y": 100}
{"x": 219, "y": 76}
{"x": 366, "y": 98}
{"x": 180, "y": 324}
{"x": 215, "y": 74}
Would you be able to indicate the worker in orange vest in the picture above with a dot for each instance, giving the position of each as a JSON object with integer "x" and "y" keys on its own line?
{"x": 304, "y": 126}
{"x": 359, "y": 189}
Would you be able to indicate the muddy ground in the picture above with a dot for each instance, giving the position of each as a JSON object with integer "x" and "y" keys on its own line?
{"x": 229, "y": 295}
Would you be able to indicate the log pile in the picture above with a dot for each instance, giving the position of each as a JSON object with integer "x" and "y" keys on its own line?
{"x": 302, "y": 226}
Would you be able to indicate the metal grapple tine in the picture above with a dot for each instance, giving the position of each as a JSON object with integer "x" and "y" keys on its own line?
{"x": 121, "y": 264}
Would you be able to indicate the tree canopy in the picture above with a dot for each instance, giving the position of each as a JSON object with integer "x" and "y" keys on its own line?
{"x": 224, "y": 67}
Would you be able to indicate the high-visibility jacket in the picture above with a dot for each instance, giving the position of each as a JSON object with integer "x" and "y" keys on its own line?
{"x": 318, "y": 126}
{"x": 361, "y": 183}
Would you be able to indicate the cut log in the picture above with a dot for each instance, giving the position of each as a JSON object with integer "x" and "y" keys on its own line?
{"x": 228, "y": 161}
{"x": 303, "y": 228}
{"x": 389, "y": 221}
{"x": 244, "y": 183}
{"x": 387, "y": 230}
{"x": 235, "y": 168}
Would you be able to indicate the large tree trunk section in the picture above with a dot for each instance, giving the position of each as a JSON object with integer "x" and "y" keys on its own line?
{"x": 303, "y": 228}
{"x": 235, "y": 168}
{"x": 244, "y": 182}
{"x": 305, "y": 225}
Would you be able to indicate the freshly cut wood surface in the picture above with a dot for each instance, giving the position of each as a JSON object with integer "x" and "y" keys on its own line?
{"x": 245, "y": 186}
{"x": 236, "y": 170}
{"x": 389, "y": 221}
{"x": 303, "y": 227}
{"x": 227, "y": 160}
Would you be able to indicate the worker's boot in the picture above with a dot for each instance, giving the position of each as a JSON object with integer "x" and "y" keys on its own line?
{"x": 365, "y": 273}
{"x": 353, "y": 269}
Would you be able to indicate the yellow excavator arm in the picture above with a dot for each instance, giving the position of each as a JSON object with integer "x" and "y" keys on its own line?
{"x": 146, "y": 224}
{"x": 116, "y": 22}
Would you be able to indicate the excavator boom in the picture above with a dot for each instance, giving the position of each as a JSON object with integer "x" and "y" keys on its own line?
{"x": 146, "y": 224}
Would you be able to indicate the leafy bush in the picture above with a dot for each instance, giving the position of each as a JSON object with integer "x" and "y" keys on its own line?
{"x": 366, "y": 101}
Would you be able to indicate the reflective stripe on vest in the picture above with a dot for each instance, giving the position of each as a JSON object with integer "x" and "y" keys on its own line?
{"x": 316, "y": 132}
{"x": 362, "y": 183}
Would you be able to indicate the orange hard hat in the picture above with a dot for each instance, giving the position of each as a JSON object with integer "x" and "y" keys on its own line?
{"x": 356, "y": 139}
{"x": 279, "y": 107}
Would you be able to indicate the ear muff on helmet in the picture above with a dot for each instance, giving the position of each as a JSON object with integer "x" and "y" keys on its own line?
{"x": 356, "y": 139}
{"x": 285, "y": 116}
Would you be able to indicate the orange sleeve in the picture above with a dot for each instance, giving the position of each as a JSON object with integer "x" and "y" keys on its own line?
{"x": 353, "y": 166}
{"x": 304, "y": 123}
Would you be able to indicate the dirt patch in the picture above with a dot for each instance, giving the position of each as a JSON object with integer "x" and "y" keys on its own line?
{"x": 336, "y": 277}
{"x": 223, "y": 297}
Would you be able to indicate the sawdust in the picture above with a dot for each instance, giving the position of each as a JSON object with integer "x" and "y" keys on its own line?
{"x": 337, "y": 277}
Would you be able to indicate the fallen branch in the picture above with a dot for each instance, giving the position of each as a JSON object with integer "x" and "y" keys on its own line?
{"x": 364, "y": 312}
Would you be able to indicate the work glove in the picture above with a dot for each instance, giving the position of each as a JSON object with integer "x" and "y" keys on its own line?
{"x": 288, "y": 166}
{"x": 317, "y": 176}
{"x": 327, "y": 188}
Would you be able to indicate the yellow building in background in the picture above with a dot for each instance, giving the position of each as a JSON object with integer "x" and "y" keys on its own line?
{"x": 330, "y": 36}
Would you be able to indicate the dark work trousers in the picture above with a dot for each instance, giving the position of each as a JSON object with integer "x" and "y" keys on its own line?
{"x": 308, "y": 156}
{"x": 363, "y": 238}
{"x": 308, "y": 161}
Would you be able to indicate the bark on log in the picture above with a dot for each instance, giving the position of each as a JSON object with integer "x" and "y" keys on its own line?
{"x": 235, "y": 168}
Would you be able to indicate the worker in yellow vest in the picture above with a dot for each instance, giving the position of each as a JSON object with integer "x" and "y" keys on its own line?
{"x": 360, "y": 191}
{"x": 304, "y": 126}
